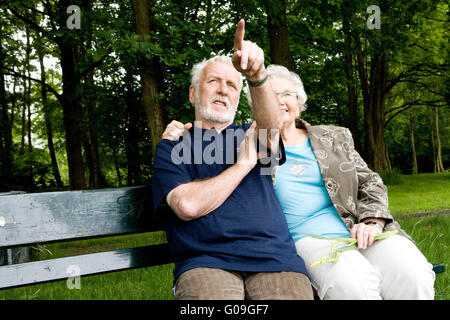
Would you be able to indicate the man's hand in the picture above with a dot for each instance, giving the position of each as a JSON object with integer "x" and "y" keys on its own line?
{"x": 175, "y": 129}
{"x": 247, "y": 150}
{"x": 248, "y": 57}
{"x": 198, "y": 198}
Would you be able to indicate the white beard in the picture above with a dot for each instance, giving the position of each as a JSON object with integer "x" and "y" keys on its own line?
{"x": 215, "y": 116}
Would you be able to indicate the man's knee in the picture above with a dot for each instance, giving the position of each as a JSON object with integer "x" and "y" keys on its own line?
{"x": 278, "y": 286}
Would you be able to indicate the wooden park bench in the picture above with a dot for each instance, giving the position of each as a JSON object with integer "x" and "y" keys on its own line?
{"x": 43, "y": 218}
{"x": 50, "y": 217}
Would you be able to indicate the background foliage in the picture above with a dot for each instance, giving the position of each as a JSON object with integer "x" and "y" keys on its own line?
{"x": 325, "y": 40}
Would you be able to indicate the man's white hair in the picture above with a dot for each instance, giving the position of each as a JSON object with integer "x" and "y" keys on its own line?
{"x": 197, "y": 70}
{"x": 275, "y": 71}
{"x": 196, "y": 73}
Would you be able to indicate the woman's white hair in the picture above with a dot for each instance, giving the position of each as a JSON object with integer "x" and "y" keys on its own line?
{"x": 197, "y": 70}
{"x": 275, "y": 71}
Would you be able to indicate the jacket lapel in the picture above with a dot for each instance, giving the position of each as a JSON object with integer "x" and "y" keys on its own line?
{"x": 321, "y": 144}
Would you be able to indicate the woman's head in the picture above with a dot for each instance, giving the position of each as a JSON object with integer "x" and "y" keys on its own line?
{"x": 289, "y": 89}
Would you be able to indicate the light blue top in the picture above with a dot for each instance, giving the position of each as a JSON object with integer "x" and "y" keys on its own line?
{"x": 303, "y": 196}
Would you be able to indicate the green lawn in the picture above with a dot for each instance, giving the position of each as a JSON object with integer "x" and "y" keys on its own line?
{"x": 418, "y": 193}
{"x": 432, "y": 237}
{"x": 424, "y": 192}
{"x": 154, "y": 283}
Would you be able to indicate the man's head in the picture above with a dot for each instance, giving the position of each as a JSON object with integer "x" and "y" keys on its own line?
{"x": 215, "y": 89}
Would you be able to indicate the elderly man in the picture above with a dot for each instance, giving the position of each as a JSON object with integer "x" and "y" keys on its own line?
{"x": 227, "y": 233}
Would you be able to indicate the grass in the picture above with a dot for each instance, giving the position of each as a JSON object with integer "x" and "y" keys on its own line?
{"x": 423, "y": 192}
{"x": 419, "y": 193}
{"x": 153, "y": 283}
{"x": 432, "y": 237}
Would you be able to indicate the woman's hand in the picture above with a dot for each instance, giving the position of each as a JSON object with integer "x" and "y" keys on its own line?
{"x": 365, "y": 234}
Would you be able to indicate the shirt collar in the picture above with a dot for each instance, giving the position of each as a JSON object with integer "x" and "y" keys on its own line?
{"x": 231, "y": 126}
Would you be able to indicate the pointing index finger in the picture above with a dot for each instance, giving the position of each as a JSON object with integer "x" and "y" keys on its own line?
{"x": 239, "y": 35}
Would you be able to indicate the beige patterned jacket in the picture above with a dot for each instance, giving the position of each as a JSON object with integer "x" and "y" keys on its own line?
{"x": 356, "y": 191}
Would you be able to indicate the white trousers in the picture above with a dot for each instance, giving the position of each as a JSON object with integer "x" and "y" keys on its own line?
{"x": 391, "y": 269}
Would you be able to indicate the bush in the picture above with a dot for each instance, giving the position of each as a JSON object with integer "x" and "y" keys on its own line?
{"x": 392, "y": 177}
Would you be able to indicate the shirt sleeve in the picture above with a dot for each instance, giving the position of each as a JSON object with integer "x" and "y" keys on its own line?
{"x": 167, "y": 174}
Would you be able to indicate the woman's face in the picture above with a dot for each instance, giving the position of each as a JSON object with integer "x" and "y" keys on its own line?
{"x": 287, "y": 99}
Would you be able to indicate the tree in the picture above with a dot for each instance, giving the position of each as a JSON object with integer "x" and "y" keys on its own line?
{"x": 150, "y": 72}
{"x": 99, "y": 112}
{"x": 5, "y": 123}
{"x": 46, "y": 110}
{"x": 68, "y": 42}
{"x": 436, "y": 140}
{"x": 347, "y": 11}
{"x": 280, "y": 50}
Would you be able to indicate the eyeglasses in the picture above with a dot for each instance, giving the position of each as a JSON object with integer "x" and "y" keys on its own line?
{"x": 287, "y": 95}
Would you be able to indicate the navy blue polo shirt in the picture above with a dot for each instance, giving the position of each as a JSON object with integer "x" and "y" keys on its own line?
{"x": 248, "y": 232}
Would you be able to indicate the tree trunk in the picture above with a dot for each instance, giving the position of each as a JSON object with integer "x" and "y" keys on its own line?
{"x": 5, "y": 123}
{"x": 433, "y": 140}
{"x": 376, "y": 151}
{"x": 116, "y": 165}
{"x": 71, "y": 119}
{"x": 413, "y": 147}
{"x": 374, "y": 97}
{"x": 439, "y": 164}
{"x": 280, "y": 51}
{"x": 149, "y": 71}
{"x": 88, "y": 157}
{"x": 28, "y": 93}
{"x": 351, "y": 82}
{"x": 96, "y": 180}
{"x": 24, "y": 114}
{"x": 131, "y": 145}
{"x": 47, "y": 118}
{"x": 70, "y": 105}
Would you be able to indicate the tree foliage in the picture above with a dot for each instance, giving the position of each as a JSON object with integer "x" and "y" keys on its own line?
{"x": 95, "y": 106}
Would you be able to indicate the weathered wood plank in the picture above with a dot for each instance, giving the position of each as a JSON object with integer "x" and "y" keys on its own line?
{"x": 9, "y": 193}
{"x": 95, "y": 263}
{"x": 56, "y": 216}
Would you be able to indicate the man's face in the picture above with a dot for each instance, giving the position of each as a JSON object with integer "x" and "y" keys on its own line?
{"x": 218, "y": 93}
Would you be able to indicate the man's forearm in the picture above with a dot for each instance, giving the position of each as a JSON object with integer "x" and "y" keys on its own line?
{"x": 248, "y": 58}
{"x": 266, "y": 112}
{"x": 198, "y": 198}
{"x": 265, "y": 107}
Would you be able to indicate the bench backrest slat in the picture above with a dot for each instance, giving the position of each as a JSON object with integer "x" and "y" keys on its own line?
{"x": 57, "y": 216}
{"x": 56, "y": 269}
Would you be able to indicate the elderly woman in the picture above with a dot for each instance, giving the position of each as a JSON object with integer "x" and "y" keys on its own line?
{"x": 325, "y": 188}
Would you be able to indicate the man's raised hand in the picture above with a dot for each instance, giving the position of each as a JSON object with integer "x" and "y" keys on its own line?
{"x": 248, "y": 57}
